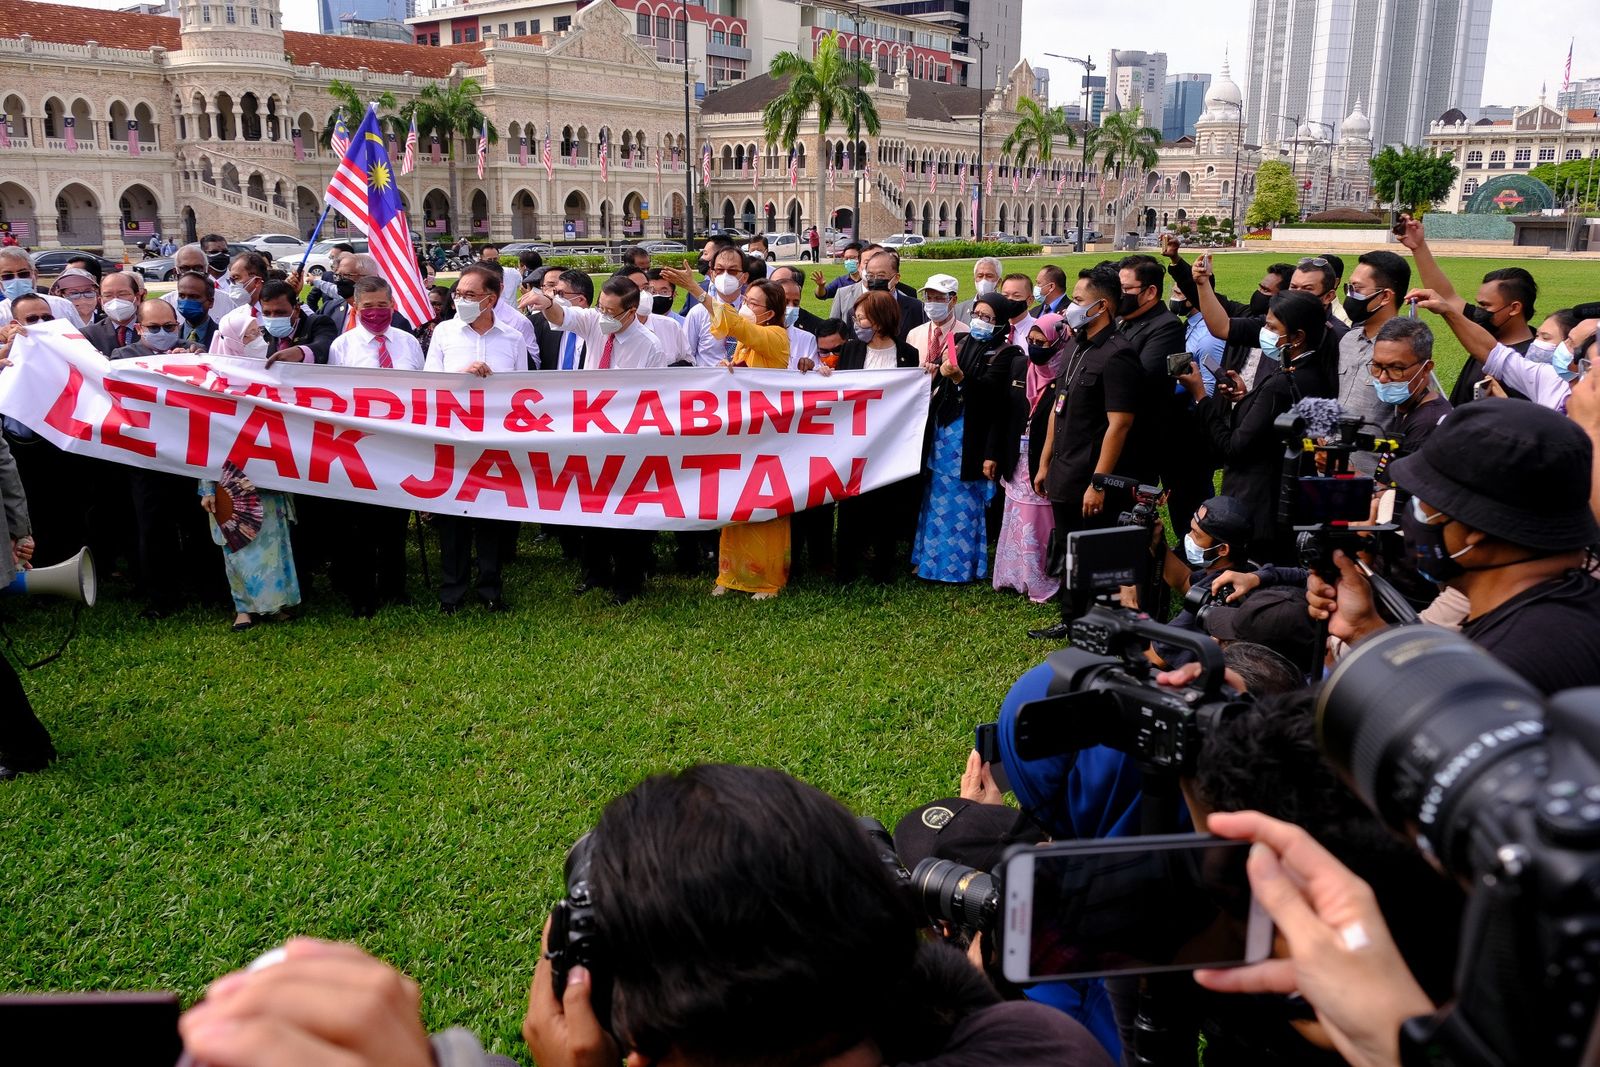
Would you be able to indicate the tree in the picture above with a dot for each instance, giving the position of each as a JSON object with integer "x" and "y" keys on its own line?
{"x": 349, "y": 103}
{"x": 832, "y": 84}
{"x": 1573, "y": 181}
{"x": 448, "y": 112}
{"x": 1424, "y": 176}
{"x": 1035, "y": 134}
{"x": 1277, "y": 197}
{"x": 1123, "y": 145}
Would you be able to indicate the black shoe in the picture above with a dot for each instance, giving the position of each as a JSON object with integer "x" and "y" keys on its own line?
{"x": 153, "y": 614}
{"x": 448, "y": 609}
{"x": 363, "y": 611}
{"x": 584, "y": 585}
{"x": 623, "y": 596}
{"x": 494, "y": 605}
{"x": 1059, "y": 632}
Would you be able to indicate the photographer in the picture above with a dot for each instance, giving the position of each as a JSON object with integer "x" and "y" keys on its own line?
{"x": 1499, "y": 512}
{"x": 1213, "y": 545}
{"x": 24, "y": 742}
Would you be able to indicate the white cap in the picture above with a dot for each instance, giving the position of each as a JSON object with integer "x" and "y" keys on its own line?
{"x": 942, "y": 283}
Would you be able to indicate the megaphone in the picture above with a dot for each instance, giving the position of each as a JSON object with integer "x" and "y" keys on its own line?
{"x": 72, "y": 579}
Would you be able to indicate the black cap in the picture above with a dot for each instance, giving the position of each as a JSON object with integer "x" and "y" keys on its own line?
{"x": 1227, "y": 520}
{"x": 963, "y": 830}
{"x": 1511, "y": 468}
{"x": 1274, "y": 616}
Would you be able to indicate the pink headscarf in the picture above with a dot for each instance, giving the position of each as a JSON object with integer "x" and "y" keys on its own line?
{"x": 229, "y": 340}
{"x": 1055, "y": 331}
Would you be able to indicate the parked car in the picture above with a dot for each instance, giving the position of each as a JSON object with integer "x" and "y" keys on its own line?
{"x": 1052, "y": 239}
{"x": 516, "y": 248}
{"x": 52, "y": 261}
{"x": 1089, "y": 236}
{"x": 275, "y": 245}
{"x": 734, "y": 232}
{"x": 903, "y": 240}
{"x": 318, "y": 262}
{"x": 660, "y": 248}
{"x": 837, "y": 247}
{"x": 780, "y": 246}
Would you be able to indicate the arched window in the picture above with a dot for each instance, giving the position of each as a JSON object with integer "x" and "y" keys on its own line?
{"x": 1474, "y": 157}
{"x": 1497, "y": 157}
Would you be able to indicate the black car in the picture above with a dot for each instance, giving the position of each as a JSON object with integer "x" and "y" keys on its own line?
{"x": 52, "y": 261}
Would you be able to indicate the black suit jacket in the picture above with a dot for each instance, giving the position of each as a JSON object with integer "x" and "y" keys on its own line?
{"x": 911, "y": 314}
{"x": 853, "y": 356}
{"x": 548, "y": 339}
{"x": 337, "y": 310}
{"x": 808, "y": 322}
{"x": 316, "y": 332}
{"x": 103, "y": 335}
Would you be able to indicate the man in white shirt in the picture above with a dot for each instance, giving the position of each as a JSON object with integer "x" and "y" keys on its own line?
{"x": 18, "y": 278}
{"x": 570, "y": 289}
{"x": 369, "y": 556}
{"x": 938, "y": 339}
{"x": 1019, "y": 289}
{"x": 474, "y": 342}
{"x": 668, "y": 330}
{"x": 614, "y": 339}
{"x": 190, "y": 258}
{"x": 726, "y": 280}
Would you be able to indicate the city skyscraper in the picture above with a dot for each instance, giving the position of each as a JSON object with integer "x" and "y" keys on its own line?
{"x": 1405, "y": 61}
{"x": 998, "y": 21}
{"x": 1136, "y": 79}
{"x": 1182, "y": 101}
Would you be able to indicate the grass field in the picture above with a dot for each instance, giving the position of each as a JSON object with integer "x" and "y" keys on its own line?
{"x": 411, "y": 782}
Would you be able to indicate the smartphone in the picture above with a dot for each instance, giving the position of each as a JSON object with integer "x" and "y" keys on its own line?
{"x": 986, "y": 741}
{"x": 1400, "y": 228}
{"x": 135, "y": 1029}
{"x": 1481, "y": 387}
{"x": 1134, "y": 905}
{"x": 1179, "y": 363}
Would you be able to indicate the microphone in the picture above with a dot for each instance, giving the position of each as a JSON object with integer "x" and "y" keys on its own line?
{"x": 1321, "y": 415}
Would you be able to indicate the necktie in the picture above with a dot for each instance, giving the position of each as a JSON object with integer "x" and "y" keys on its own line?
{"x": 605, "y": 354}
{"x": 122, "y": 336}
{"x": 383, "y": 353}
{"x": 936, "y": 346}
{"x": 350, "y": 321}
{"x": 569, "y": 352}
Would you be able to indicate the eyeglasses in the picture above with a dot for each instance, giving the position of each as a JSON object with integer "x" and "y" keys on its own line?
{"x": 983, "y": 318}
{"x": 159, "y": 327}
{"x": 31, "y": 319}
{"x": 830, "y": 351}
{"x": 76, "y": 294}
{"x": 1384, "y": 372}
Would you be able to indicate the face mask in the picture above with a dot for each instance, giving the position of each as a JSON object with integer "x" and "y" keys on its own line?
{"x": 1561, "y": 360}
{"x": 278, "y": 326}
{"x": 748, "y": 313}
{"x": 561, "y": 300}
{"x": 120, "y": 310}
{"x": 468, "y": 310}
{"x": 852, "y": 267}
{"x": 1078, "y": 316}
{"x": 16, "y": 287}
{"x": 346, "y": 287}
{"x": 217, "y": 261}
{"x": 726, "y": 285}
{"x": 159, "y": 340}
{"x": 1038, "y": 294}
{"x": 375, "y": 320}
{"x": 1359, "y": 307}
{"x": 1259, "y": 303}
{"x": 1425, "y": 545}
{"x": 791, "y": 315}
{"x": 864, "y": 334}
{"x": 256, "y": 349}
{"x": 609, "y": 324}
{"x": 236, "y": 293}
{"x": 1197, "y": 556}
{"x": 980, "y": 329}
{"x": 703, "y": 266}
{"x": 1482, "y": 317}
{"x": 1270, "y": 346}
{"x": 1541, "y": 351}
{"x": 1040, "y": 354}
{"x": 985, "y": 286}
{"x": 660, "y": 305}
{"x": 1396, "y": 393}
{"x": 936, "y": 310}
{"x": 877, "y": 285}
{"x": 1179, "y": 308}
{"x": 1127, "y": 305}
{"x": 193, "y": 310}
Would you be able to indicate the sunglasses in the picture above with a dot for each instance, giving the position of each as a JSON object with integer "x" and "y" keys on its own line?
{"x": 829, "y": 351}
{"x": 13, "y": 275}
{"x": 160, "y": 327}
{"x": 31, "y": 319}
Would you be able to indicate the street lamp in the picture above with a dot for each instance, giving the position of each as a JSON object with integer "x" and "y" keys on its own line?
{"x": 1327, "y": 146}
{"x": 1087, "y": 63}
{"x": 983, "y": 106}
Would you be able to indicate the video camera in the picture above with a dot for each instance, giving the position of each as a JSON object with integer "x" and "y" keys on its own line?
{"x": 1146, "y": 499}
{"x": 1501, "y": 788}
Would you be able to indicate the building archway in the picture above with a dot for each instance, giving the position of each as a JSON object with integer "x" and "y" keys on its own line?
{"x": 250, "y": 117}
{"x": 225, "y": 127}
{"x": 960, "y": 229}
{"x": 306, "y": 209}
{"x": 927, "y": 218}
{"x": 140, "y": 212}
{"x": 230, "y": 178}
{"x": 844, "y": 221}
{"x": 1002, "y": 220}
{"x": 1149, "y": 220}
{"x": 17, "y": 212}
{"x": 190, "y": 226}
{"x": 769, "y": 217}
{"x": 436, "y": 213}
{"x": 727, "y": 214}
{"x": 911, "y": 217}
{"x": 78, "y": 216}
{"x": 524, "y": 215}
{"x": 793, "y": 216}
{"x": 480, "y": 211}
{"x": 256, "y": 187}
{"x": 633, "y": 215}
{"x": 944, "y": 219}
{"x": 575, "y": 214}
{"x": 607, "y": 219}
{"x": 748, "y": 215}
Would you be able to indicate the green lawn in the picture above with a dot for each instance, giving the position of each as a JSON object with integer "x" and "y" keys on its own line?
{"x": 412, "y": 782}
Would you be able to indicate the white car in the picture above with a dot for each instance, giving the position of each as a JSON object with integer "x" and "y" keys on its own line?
{"x": 318, "y": 261}
{"x": 275, "y": 245}
{"x": 903, "y": 240}
{"x": 781, "y": 246}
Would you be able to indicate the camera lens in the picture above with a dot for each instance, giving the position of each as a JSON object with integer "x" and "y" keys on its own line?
{"x": 956, "y": 893}
{"x": 1415, "y": 716}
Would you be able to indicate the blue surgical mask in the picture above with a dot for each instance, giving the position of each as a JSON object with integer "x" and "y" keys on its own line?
{"x": 193, "y": 310}
{"x": 1392, "y": 392}
{"x": 980, "y": 329}
{"x": 1270, "y": 346}
{"x": 791, "y": 315}
{"x": 278, "y": 327}
{"x": 1561, "y": 360}
{"x": 1541, "y": 351}
{"x": 15, "y": 287}
{"x": 1038, "y": 293}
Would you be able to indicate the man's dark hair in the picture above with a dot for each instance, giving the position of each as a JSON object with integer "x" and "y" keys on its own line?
{"x": 835, "y": 328}
{"x": 1337, "y": 262}
{"x": 1392, "y": 272}
{"x": 1284, "y": 272}
{"x": 218, "y": 239}
{"x": 1054, "y": 275}
{"x": 1414, "y": 332}
{"x": 344, "y": 246}
{"x": 654, "y": 274}
{"x": 530, "y": 259}
{"x": 711, "y": 887}
{"x": 494, "y": 265}
{"x": 632, "y": 253}
{"x": 762, "y": 238}
{"x": 280, "y": 291}
{"x": 254, "y": 263}
{"x": 492, "y": 279}
{"x": 623, "y": 288}
{"x": 1265, "y": 672}
{"x": 372, "y": 283}
{"x": 1147, "y": 269}
{"x": 488, "y": 246}
{"x": 1324, "y": 270}
{"x": 755, "y": 268}
{"x": 30, "y": 296}
{"x": 744, "y": 261}
{"x": 720, "y": 241}
{"x": 88, "y": 263}
{"x": 1301, "y": 312}
{"x": 1516, "y": 284}
{"x": 1017, "y": 276}
{"x": 1104, "y": 284}
{"x": 581, "y": 283}
{"x": 850, "y": 246}
{"x": 449, "y": 299}
{"x": 210, "y": 288}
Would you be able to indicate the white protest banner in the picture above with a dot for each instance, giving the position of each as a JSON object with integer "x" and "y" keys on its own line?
{"x": 671, "y": 449}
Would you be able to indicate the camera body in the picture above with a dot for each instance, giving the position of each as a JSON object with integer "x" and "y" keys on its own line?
{"x": 1146, "y": 499}
{"x": 1200, "y": 600}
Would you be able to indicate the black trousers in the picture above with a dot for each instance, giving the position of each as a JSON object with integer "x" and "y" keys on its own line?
{"x": 1070, "y": 519}
{"x": 369, "y": 554}
{"x": 813, "y": 539}
{"x": 24, "y": 742}
{"x": 457, "y": 536}
{"x": 177, "y": 559}
{"x": 876, "y": 521}
{"x": 616, "y": 559}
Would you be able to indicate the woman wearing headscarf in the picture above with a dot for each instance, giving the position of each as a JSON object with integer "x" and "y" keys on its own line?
{"x": 952, "y": 542}
{"x": 261, "y": 572}
{"x": 1016, "y": 444}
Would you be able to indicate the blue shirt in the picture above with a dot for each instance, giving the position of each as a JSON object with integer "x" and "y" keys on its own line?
{"x": 838, "y": 283}
{"x": 1199, "y": 341}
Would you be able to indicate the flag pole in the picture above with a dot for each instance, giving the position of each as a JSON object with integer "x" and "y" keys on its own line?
{"x": 312, "y": 240}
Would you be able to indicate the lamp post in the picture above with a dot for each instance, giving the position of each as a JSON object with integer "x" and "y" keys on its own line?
{"x": 1087, "y": 63}
{"x": 855, "y": 139}
{"x": 1328, "y": 147}
{"x": 983, "y": 107}
{"x": 688, "y": 143}
{"x": 1294, "y": 161}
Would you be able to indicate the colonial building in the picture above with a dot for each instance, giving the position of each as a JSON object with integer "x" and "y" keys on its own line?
{"x": 1485, "y": 150}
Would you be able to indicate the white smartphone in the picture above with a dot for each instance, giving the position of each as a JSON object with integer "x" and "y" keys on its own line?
{"x": 1135, "y": 905}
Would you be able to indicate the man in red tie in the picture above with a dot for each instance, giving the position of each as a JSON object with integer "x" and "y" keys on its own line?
{"x": 369, "y": 553}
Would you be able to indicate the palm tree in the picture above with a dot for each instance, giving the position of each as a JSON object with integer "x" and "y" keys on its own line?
{"x": 832, "y": 83}
{"x": 1124, "y": 145}
{"x": 349, "y": 103}
{"x": 450, "y": 112}
{"x": 1035, "y": 134}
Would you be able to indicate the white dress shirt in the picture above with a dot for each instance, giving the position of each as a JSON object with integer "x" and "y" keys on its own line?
{"x": 709, "y": 350}
{"x": 60, "y": 307}
{"x": 510, "y": 282}
{"x": 221, "y": 303}
{"x": 885, "y": 358}
{"x": 457, "y": 346}
{"x": 569, "y": 350}
{"x": 921, "y": 336}
{"x": 632, "y": 348}
{"x": 508, "y": 316}
{"x": 669, "y": 332}
{"x": 801, "y": 346}
{"x": 1019, "y": 331}
{"x": 358, "y": 347}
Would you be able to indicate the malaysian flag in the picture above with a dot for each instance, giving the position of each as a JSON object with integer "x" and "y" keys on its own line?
{"x": 932, "y": 172}
{"x": 961, "y": 179}
{"x": 755, "y": 175}
{"x": 549, "y": 160}
{"x": 433, "y": 148}
{"x": 522, "y": 150}
{"x": 833, "y": 176}
{"x": 1061, "y": 181}
{"x": 794, "y": 169}
{"x": 409, "y": 163}
{"x": 72, "y": 134}
{"x": 483, "y": 147}
{"x": 705, "y": 165}
{"x": 605, "y": 153}
{"x": 1033, "y": 179}
{"x": 5, "y": 131}
{"x": 1566, "y": 77}
{"x": 363, "y": 191}
{"x": 133, "y": 137}
{"x": 341, "y": 139}
{"x": 658, "y": 164}
{"x": 299, "y": 144}
{"x": 988, "y": 183}
{"x": 1013, "y": 181}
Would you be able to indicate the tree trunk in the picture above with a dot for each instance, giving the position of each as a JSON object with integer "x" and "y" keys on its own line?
{"x": 455, "y": 196}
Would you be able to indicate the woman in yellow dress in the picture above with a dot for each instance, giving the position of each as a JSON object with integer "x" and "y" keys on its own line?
{"x": 754, "y": 556}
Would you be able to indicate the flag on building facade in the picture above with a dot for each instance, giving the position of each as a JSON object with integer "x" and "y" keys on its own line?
{"x": 932, "y": 172}
{"x": 988, "y": 183}
{"x": 705, "y": 165}
{"x": 1033, "y": 179}
{"x": 340, "y": 141}
{"x": 1013, "y": 181}
{"x": 483, "y": 147}
{"x": 658, "y": 164}
{"x": 961, "y": 179}
{"x": 605, "y": 152}
{"x": 522, "y": 151}
{"x": 832, "y": 177}
{"x": 72, "y": 134}
{"x": 5, "y": 131}
{"x": 549, "y": 160}
{"x": 364, "y": 192}
{"x": 794, "y": 169}
{"x": 133, "y": 137}
{"x": 409, "y": 163}
{"x": 433, "y": 148}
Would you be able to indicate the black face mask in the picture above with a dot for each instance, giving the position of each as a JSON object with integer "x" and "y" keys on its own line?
{"x": 1040, "y": 354}
{"x": 346, "y": 287}
{"x": 878, "y": 285}
{"x": 1358, "y": 309}
{"x": 1127, "y": 305}
{"x": 1483, "y": 317}
{"x": 702, "y": 265}
{"x": 1425, "y": 546}
{"x": 660, "y": 305}
{"x": 1259, "y": 302}
{"x": 1179, "y": 308}
{"x": 218, "y": 261}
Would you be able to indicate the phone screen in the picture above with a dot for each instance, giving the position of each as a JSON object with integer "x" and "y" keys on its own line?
{"x": 1081, "y": 909}
{"x": 1334, "y": 500}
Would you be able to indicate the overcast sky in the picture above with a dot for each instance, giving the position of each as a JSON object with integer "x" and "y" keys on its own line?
{"x": 1527, "y": 42}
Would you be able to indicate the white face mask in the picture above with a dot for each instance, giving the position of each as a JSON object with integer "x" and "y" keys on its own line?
{"x": 236, "y": 292}
{"x": 725, "y": 284}
{"x": 609, "y": 324}
{"x": 119, "y": 310}
{"x": 985, "y": 286}
{"x": 256, "y": 349}
{"x": 936, "y": 310}
{"x": 748, "y": 312}
{"x": 468, "y": 311}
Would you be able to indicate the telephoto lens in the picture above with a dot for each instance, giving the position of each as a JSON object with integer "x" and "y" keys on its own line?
{"x": 955, "y": 893}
